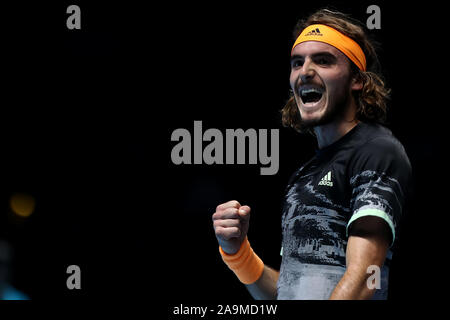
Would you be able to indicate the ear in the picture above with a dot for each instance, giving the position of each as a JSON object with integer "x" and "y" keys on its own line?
{"x": 357, "y": 82}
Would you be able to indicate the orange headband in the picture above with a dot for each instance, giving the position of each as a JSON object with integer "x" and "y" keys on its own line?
{"x": 323, "y": 33}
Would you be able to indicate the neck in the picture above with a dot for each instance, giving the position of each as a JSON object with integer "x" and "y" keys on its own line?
{"x": 332, "y": 132}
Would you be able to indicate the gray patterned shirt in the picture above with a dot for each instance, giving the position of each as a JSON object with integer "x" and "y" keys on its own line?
{"x": 365, "y": 173}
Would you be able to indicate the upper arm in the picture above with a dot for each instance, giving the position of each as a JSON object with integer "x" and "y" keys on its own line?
{"x": 368, "y": 244}
{"x": 366, "y": 247}
{"x": 380, "y": 180}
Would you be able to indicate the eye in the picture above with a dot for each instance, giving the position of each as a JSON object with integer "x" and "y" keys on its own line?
{"x": 296, "y": 63}
{"x": 323, "y": 61}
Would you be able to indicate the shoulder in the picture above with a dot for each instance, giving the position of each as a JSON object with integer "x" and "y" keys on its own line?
{"x": 378, "y": 142}
{"x": 378, "y": 151}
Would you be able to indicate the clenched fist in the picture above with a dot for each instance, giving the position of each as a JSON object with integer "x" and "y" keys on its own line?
{"x": 230, "y": 223}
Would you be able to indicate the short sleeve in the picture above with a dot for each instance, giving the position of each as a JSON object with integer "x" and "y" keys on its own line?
{"x": 380, "y": 180}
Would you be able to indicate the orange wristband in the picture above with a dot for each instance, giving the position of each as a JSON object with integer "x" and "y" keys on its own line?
{"x": 247, "y": 266}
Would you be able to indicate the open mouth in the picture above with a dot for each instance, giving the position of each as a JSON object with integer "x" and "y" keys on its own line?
{"x": 310, "y": 95}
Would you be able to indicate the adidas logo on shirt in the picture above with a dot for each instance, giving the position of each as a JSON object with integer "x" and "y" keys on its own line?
{"x": 326, "y": 181}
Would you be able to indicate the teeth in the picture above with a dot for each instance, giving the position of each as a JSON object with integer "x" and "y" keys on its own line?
{"x": 306, "y": 91}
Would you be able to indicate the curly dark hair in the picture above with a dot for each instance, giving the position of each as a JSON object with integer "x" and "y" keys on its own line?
{"x": 371, "y": 99}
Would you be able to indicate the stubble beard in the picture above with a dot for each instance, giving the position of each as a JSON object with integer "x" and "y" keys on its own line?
{"x": 332, "y": 112}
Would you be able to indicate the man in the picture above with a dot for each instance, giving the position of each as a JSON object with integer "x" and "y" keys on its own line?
{"x": 342, "y": 208}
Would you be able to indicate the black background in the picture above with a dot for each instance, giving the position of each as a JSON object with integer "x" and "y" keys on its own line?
{"x": 87, "y": 117}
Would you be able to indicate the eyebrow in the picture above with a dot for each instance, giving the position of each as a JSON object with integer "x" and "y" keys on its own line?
{"x": 315, "y": 55}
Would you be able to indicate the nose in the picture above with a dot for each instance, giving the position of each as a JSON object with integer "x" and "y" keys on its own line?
{"x": 307, "y": 71}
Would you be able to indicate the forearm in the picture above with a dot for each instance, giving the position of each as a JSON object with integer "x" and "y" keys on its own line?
{"x": 352, "y": 286}
{"x": 265, "y": 288}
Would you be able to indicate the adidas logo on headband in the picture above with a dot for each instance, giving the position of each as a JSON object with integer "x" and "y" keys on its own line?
{"x": 315, "y": 32}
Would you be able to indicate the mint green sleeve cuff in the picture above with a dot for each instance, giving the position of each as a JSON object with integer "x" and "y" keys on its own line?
{"x": 373, "y": 212}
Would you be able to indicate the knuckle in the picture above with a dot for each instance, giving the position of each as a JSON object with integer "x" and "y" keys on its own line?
{"x": 219, "y": 231}
{"x": 231, "y": 223}
{"x": 236, "y": 232}
{"x": 226, "y": 236}
{"x": 223, "y": 235}
{"x": 235, "y": 204}
{"x": 231, "y": 211}
{"x": 227, "y": 205}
